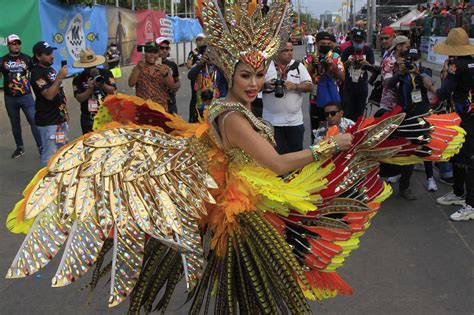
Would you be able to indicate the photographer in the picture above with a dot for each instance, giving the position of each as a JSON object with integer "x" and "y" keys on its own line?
{"x": 152, "y": 79}
{"x": 407, "y": 84}
{"x": 285, "y": 82}
{"x": 209, "y": 84}
{"x": 356, "y": 87}
{"x": 327, "y": 71}
{"x": 459, "y": 86}
{"x": 91, "y": 86}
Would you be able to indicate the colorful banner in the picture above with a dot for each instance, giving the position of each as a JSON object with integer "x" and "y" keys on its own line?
{"x": 185, "y": 30}
{"x": 71, "y": 29}
{"x": 121, "y": 27}
{"x": 151, "y": 24}
{"x": 21, "y": 19}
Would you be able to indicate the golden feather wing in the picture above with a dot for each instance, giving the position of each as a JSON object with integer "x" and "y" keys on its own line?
{"x": 125, "y": 183}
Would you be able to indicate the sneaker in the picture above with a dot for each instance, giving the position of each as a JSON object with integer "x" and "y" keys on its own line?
{"x": 451, "y": 199}
{"x": 407, "y": 194}
{"x": 447, "y": 180}
{"x": 18, "y": 152}
{"x": 393, "y": 179}
{"x": 463, "y": 214}
{"x": 431, "y": 184}
{"x": 419, "y": 167}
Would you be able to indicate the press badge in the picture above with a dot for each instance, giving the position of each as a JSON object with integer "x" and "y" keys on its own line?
{"x": 60, "y": 136}
{"x": 93, "y": 105}
{"x": 416, "y": 96}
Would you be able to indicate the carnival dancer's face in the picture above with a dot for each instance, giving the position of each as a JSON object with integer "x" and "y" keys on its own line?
{"x": 247, "y": 83}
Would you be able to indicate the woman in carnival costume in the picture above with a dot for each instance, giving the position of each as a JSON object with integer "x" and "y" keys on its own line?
{"x": 210, "y": 202}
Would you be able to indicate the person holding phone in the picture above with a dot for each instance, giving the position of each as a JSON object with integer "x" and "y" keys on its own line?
{"x": 91, "y": 86}
{"x": 164, "y": 45}
{"x": 51, "y": 112}
{"x": 152, "y": 79}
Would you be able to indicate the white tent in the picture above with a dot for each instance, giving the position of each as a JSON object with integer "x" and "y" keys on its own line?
{"x": 404, "y": 23}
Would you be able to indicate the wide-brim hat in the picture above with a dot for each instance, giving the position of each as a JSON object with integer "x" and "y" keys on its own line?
{"x": 88, "y": 59}
{"x": 456, "y": 44}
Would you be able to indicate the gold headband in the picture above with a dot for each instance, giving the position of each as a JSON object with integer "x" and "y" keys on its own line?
{"x": 244, "y": 34}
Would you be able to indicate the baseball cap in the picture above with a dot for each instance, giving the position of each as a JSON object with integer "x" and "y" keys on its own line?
{"x": 358, "y": 33}
{"x": 413, "y": 53}
{"x": 200, "y": 35}
{"x": 388, "y": 31}
{"x": 322, "y": 36}
{"x": 43, "y": 48}
{"x": 399, "y": 40}
{"x": 12, "y": 38}
{"x": 161, "y": 40}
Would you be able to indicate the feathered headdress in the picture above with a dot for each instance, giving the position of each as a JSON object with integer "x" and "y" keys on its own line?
{"x": 243, "y": 33}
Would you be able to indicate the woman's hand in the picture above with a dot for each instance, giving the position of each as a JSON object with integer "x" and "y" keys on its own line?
{"x": 344, "y": 141}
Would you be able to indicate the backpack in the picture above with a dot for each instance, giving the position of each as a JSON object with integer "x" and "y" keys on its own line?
{"x": 327, "y": 91}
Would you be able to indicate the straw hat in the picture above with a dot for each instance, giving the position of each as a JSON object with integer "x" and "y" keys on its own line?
{"x": 457, "y": 44}
{"x": 88, "y": 59}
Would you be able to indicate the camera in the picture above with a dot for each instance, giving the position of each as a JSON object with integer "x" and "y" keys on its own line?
{"x": 207, "y": 95}
{"x": 279, "y": 90}
{"x": 97, "y": 77}
{"x": 202, "y": 49}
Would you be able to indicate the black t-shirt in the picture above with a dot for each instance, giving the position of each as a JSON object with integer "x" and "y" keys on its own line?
{"x": 79, "y": 85}
{"x": 174, "y": 68}
{"x": 367, "y": 53}
{"x": 113, "y": 55}
{"x": 52, "y": 112}
{"x": 16, "y": 74}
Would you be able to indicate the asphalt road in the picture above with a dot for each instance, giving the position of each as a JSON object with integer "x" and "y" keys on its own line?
{"x": 413, "y": 260}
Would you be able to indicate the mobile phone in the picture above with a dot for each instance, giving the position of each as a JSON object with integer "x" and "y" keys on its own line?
{"x": 63, "y": 63}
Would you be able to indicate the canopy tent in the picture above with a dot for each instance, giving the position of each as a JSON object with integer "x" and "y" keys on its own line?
{"x": 406, "y": 21}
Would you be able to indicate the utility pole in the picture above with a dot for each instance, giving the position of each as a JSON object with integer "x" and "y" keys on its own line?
{"x": 371, "y": 20}
{"x": 299, "y": 12}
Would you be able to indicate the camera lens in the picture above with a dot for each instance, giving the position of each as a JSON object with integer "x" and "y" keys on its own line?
{"x": 279, "y": 91}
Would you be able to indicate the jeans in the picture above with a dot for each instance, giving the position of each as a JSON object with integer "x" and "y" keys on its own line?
{"x": 27, "y": 105}
{"x": 289, "y": 138}
{"x": 445, "y": 169}
{"x": 428, "y": 169}
{"x": 355, "y": 100}
{"x": 172, "y": 108}
{"x": 406, "y": 171}
{"x": 87, "y": 122}
{"x": 48, "y": 138}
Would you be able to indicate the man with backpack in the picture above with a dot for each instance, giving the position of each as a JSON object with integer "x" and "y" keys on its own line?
{"x": 326, "y": 70}
{"x": 285, "y": 82}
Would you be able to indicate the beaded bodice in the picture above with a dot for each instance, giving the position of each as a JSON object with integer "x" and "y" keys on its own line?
{"x": 236, "y": 155}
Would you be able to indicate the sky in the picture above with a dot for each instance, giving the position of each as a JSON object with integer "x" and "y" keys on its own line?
{"x": 318, "y": 7}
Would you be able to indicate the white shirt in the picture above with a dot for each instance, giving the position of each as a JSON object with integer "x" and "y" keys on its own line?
{"x": 310, "y": 39}
{"x": 285, "y": 111}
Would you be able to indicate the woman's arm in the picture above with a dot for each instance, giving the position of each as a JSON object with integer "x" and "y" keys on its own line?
{"x": 237, "y": 132}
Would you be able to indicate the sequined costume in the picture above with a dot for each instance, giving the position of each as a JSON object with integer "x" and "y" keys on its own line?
{"x": 169, "y": 202}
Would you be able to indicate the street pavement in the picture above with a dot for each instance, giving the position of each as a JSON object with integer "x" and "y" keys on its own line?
{"x": 413, "y": 259}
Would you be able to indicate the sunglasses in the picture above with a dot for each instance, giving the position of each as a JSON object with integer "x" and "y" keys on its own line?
{"x": 331, "y": 113}
{"x": 16, "y": 43}
{"x": 164, "y": 48}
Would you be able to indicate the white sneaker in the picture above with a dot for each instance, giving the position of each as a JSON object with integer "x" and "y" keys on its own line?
{"x": 394, "y": 179}
{"x": 451, "y": 199}
{"x": 463, "y": 214}
{"x": 431, "y": 184}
